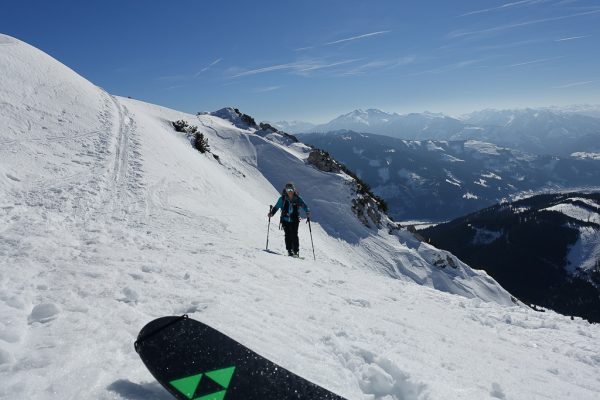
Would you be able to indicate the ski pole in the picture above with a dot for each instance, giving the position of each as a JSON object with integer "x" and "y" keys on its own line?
{"x": 269, "y": 227}
{"x": 311, "y": 239}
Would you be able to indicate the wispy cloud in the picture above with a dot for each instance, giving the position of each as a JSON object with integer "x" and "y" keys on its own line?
{"x": 177, "y": 77}
{"x": 450, "y": 67}
{"x": 364, "y": 68}
{"x": 467, "y": 43}
{"x": 504, "y": 7}
{"x": 277, "y": 67}
{"x": 365, "y": 35}
{"x": 174, "y": 87}
{"x": 300, "y": 67}
{"x": 458, "y": 34}
{"x": 572, "y": 38}
{"x": 379, "y": 65}
{"x": 540, "y": 60}
{"x": 321, "y": 66}
{"x": 187, "y": 77}
{"x": 212, "y": 64}
{"x": 124, "y": 69}
{"x": 266, "y": 89}
{"x": 344, "y": 40}
{"x": 304, "y": 48}
{"x": 574, "y": 84}
{"x": 508, "y": 45}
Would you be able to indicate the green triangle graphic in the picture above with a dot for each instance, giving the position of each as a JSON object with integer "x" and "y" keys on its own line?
{"x": 213, "y": 396}
{"x": 187, "y": 385}
{"x": 221, "y": 376}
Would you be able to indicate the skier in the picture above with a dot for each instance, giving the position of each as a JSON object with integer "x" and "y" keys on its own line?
{"x": 289, "y": 202}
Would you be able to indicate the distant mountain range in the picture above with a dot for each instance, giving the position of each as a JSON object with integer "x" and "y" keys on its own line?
{"x": 582, "y": 109}
{"x": 294, "y": 126}
{"x": 556, "y": 131}
{"x": 441, "y": 180}
{"x": 408, "y": 126}
{"x": 536, "y": 131}
{"x": 545, "y": 249}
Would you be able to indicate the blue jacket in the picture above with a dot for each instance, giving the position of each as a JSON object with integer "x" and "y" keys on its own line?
{"x": 289, "y": 209}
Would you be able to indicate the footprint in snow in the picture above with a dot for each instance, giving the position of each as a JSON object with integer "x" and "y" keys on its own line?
{"x": 358, "y": 302}
{"x": 43, "y": 313}
{"x": 195, "y": 306}
{"x": 381, "y": 377}
{"x": 130, "y": 296}
{"x": 5, "y": 357}
{"x": 497, "y": 391}
{"x": 377, "y": 376}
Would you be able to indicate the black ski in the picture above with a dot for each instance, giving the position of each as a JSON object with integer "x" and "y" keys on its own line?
{"x": 196, "y": 362}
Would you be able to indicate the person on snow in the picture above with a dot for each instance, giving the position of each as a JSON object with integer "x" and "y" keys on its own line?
{"x": 290, "y": 203}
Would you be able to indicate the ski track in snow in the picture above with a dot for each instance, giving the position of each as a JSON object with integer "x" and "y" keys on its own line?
{"x": 113, "y": 219}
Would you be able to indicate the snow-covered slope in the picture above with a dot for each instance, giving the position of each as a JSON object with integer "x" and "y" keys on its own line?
{"x": 109, "y": 218}
{"x": 545, "y": 249}
{"x": 584, "y": 216}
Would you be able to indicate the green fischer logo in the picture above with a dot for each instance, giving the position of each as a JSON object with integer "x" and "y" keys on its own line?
{"x": 188, "y": 385}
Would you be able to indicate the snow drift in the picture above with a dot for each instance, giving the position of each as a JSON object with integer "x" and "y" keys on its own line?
{"x": 110, "y": 218}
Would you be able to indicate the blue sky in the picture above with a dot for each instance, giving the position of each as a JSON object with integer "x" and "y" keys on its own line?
{"x": 313, "y": 60}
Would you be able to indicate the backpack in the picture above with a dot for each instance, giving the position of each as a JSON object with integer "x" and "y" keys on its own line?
{"x": 295, "y": 216}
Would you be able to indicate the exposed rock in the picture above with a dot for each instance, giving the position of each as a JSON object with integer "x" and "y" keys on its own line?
{"x": 413, "y": 230}
{"x": 368, "y": 208}
{"x": 270, "y": 132}
{"x": 393, "y": 227}
{"x": 367, "y": 211}
{"x": 237, "y": 118}
{"x": 323, "y": 161}
{"x": 447, "y": 262}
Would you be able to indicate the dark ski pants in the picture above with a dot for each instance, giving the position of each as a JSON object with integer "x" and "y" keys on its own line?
{"x": 292, "y": 243}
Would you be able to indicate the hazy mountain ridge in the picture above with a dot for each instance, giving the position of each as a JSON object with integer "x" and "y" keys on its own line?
{"x": 560, "y": 131}
{"x": 440, "y": 180}
{"x": 590, "y": 110}
{"x": 294, "y": 126}
{"x": 539, "y": 131}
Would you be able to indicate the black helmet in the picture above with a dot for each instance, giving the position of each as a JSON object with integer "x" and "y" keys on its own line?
{"x": 289, "y": 187}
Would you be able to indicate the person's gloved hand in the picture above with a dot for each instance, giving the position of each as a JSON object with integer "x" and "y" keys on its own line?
{"x": 308, "y": 215}
{"x": 269, "y": 215}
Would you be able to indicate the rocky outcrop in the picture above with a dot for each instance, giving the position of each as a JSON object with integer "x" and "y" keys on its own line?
{"x": 245, "y": 121}
{"x": 369, "y": 208}
{"x": 443, "y": 262}
{"x": 323, "y": 161}
{"x": 235, "y": 116}
{"x": 367, "y": 211}
{"x": 270, "y": 132}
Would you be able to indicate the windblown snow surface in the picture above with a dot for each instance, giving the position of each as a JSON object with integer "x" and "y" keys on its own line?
{"x": 109, "y": 218}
